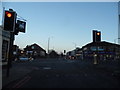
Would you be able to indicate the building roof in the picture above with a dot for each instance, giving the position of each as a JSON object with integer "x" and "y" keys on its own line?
{"x": 103, "y": 43}
{"x": 36, "y": 47}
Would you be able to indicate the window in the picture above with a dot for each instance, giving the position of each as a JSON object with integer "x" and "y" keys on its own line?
{"x": 4, "y": 50}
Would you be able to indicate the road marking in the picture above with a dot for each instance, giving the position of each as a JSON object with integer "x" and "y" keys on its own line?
{"x": 22, "y": 82}
{"x": 47, "y": 68}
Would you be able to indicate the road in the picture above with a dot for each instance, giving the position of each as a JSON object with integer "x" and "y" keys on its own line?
{"x": 62, "y": 73}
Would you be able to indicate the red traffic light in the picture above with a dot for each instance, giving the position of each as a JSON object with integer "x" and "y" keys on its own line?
{"x": 98, "y": 33}
{"x": 9, "y": 20}
{"x": 8, "y": 14}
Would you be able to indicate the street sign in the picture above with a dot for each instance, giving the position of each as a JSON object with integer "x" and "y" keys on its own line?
{"x": 95, "y": 49}
{"x": 21, "y": 26}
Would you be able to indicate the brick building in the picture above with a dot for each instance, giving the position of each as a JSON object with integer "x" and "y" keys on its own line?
{"x": 34, "y": 50}
{"x": 104, "y": 50}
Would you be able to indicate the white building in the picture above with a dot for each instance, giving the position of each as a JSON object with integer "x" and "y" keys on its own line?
{"x": 0, "y": 32}
{"x": 0, "y": 58}
{"x": 0, "y": 46}
{"x": 4, "y": 45}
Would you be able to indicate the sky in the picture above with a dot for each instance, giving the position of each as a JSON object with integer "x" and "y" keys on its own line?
{"x": 67, "y": 24}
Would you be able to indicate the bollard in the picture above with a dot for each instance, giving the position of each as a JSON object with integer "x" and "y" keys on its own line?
{"x": 95, "y": 59}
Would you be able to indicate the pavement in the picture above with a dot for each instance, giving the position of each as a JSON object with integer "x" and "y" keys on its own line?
{"x": 17, "y": 71}
{"x": 0, "y": 75}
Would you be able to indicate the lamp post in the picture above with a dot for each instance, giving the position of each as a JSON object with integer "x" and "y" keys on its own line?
{"x": 49, "y": 44}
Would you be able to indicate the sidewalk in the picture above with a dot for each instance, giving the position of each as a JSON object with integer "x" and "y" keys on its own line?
{"x": 17, "y": 71}
{"x": 0, "y": 75}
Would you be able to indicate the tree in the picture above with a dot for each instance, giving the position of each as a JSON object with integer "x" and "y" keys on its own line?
{"x": 53, "y": 54}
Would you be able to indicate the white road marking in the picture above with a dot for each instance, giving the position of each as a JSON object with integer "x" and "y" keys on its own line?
{"x": 47, "y": 68}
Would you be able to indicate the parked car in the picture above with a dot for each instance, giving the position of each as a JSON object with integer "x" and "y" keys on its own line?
{"x": 23, "y": 58}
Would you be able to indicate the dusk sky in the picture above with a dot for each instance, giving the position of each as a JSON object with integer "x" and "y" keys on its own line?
{"x": 66, "y": 23}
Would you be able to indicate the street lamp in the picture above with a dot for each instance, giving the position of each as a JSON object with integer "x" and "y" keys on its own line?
{"x": 49, "y": 43}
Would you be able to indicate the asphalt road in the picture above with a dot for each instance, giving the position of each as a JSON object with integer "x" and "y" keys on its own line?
{"x": 61, "y": 73}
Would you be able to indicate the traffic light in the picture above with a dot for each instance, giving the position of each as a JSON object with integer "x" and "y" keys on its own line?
{"x": 96, "y": 36}
{"x": 9, "y": 20}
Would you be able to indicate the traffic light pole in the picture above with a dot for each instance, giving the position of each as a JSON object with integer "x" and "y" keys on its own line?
{"x": 10, "y": 54}
{"x": 10, "y": 26}
{"x": 96, "y": 54}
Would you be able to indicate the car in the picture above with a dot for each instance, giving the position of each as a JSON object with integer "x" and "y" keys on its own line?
{"x": 23, "y": 58}
{"x": 70, "y": 57}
